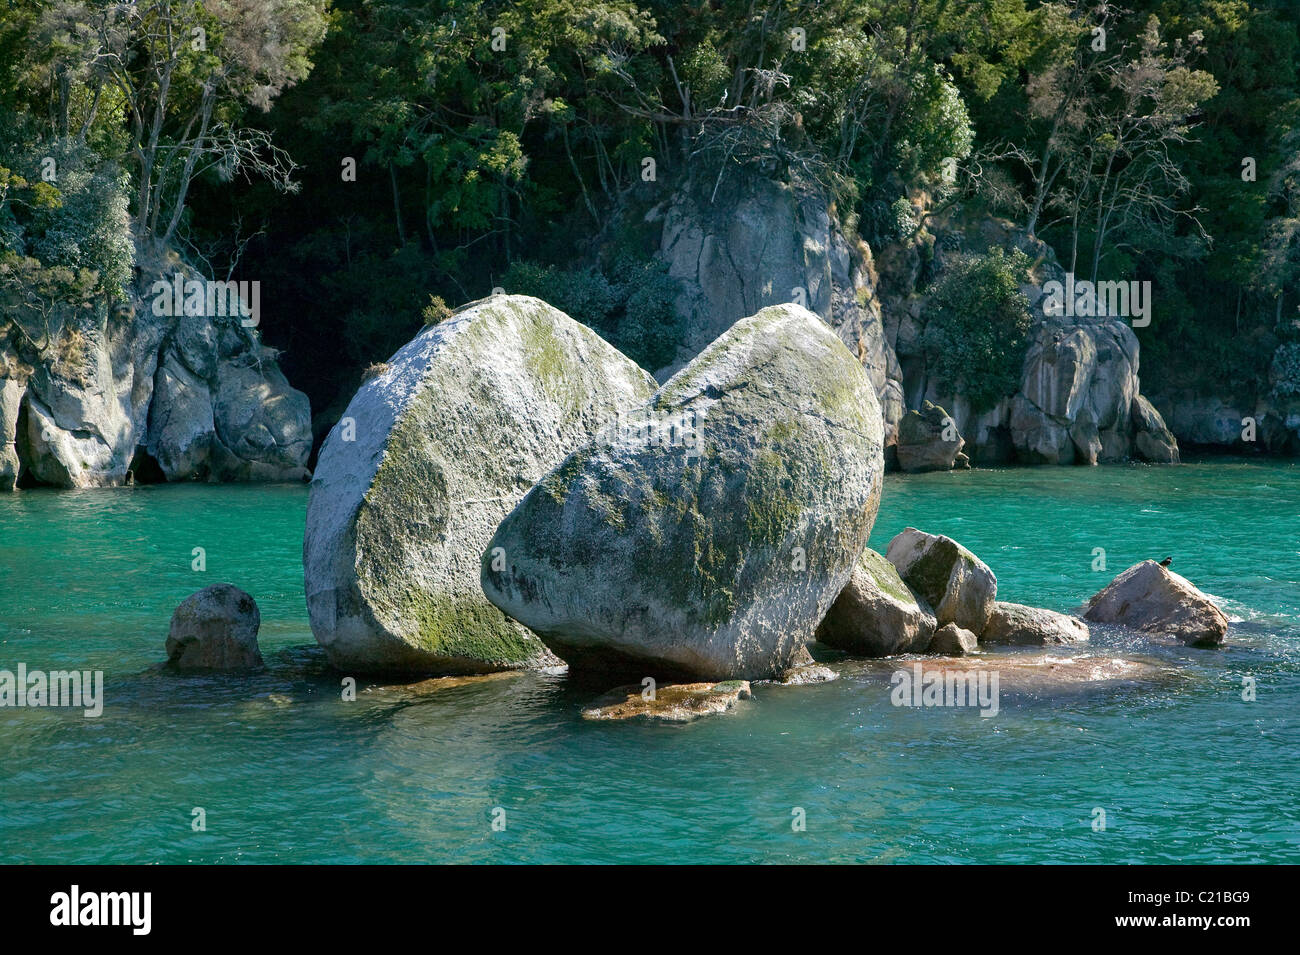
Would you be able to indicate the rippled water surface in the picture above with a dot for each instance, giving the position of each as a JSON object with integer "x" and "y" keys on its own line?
{"x": 285, "y": 771}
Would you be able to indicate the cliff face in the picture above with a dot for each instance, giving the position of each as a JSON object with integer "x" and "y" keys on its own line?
{"x": 760, "y": 242}
{"x": 1267, "y": 422}
{"x": 122, "y": 393}
{"x": 763, "y": 243}
{"x": 1079, "y": 399}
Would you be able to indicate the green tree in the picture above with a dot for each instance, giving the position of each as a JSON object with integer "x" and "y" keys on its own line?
{"x": 977, "y": 327}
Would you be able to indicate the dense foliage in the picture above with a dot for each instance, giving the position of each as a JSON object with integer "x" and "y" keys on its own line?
{"x": 359, "y": 158}
{"x": 979, "y": 323}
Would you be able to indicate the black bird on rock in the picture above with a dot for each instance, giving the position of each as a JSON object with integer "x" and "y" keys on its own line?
{"x": 1166, "y": 562}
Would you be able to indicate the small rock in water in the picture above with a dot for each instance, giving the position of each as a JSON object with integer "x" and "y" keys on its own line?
{"x": 953, "y": 641}
{"x": 958, "y": 585}
{"x": 928, "y": 441}
{"x": 805, "y": 675}
{"x": 876, "y": 614}
{"x": 1024, "y": 626}
{"x": 1154, "y": 600}
{"x": 215, "y": 629}
{"x": 674, "y": 703}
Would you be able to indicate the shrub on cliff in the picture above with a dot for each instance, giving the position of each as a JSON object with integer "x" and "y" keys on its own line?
{"x": 78, "y": 221}
{"x": 1285, "y": 370}
{"x": 582, "y": 294}
{"x": 631, "y": 306}
{"x": 977, "y": 327}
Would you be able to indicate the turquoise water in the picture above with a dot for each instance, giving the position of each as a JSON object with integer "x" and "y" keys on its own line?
{"x": 287, "y": 772}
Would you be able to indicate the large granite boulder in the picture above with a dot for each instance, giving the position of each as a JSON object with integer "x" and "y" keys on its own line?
{"x": 958, "y": 585}
{"x": 714, "y": 557}
{"x": 876, "y": 614}
{"x": 215, "y": 629}
{"x": 928, "y": 440}
{"x": 1153, "y": 599}
{"x": 428, "y": 458}
{"x": 1023, "y": 626}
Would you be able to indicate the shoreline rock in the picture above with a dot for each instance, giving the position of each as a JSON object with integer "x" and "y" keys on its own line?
{"x": 877, "y": 614}
{"x": 134, "y": 394}
{"x": 951, "y": 640}
{"x": 215, "y": 629}
{"x": 928, "y": 441}
{"x": 958, "y": 585}
{"x": 1154, "y": 600}
{"x": 1019, "y": 625}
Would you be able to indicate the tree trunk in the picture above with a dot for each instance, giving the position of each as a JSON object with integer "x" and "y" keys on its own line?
{"x": 397, "y": 204}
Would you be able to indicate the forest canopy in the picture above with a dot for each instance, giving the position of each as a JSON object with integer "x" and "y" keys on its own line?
{"x": 360, "y": 157}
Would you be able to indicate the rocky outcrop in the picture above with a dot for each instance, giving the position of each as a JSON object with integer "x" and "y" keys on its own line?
{"x": 428, "y": 458}
{"x": 876, "y": 614}
{"x": 1076, "y": 399}
{"x": 1022, "y": 626}
{"x": 958, "y": 585}
{"x": 715, "y": 557}
{"x": 755, "y": 241}
{"x": 1153, "y": 599}
{"x": 1206, "y": 420}
{"x": 1277, "y": 410}
{"x": 1152, "y": 440}
{"x": 197, "y": 393}
{"x": 1268, "y": 423}
{"x": 675, "y": 703}
{"x": 951, "y": 640}
{"x": 215, "y": 629}
{"x": 928, "y": 440}
{"x": 1080, "y": 374}
{"x": 11, "y": 396}
{"x": 758, "y": 242}
{"x": 1278, "y": 425}
{"x": 1036, "y": 437}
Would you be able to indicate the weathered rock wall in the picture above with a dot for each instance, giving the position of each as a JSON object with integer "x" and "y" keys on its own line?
{"x": 122, "y": 389}
{"x": 758, "y": 242}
